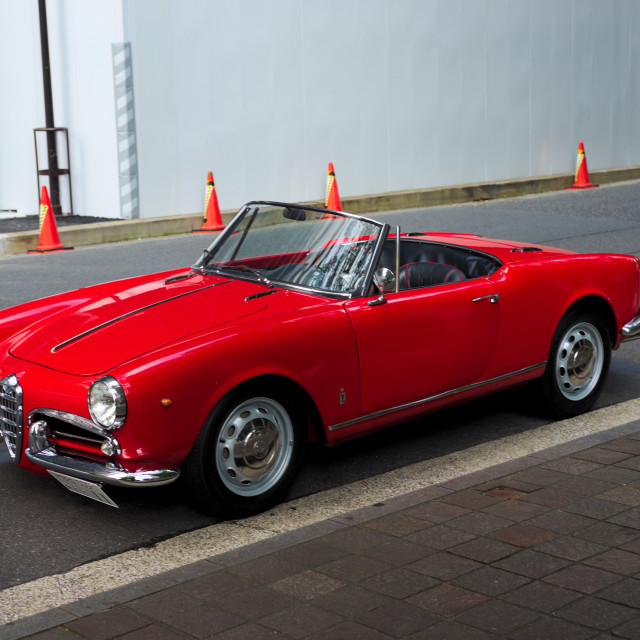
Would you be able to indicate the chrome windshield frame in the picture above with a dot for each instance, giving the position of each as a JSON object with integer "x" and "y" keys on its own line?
{"x": 381, "y": 229}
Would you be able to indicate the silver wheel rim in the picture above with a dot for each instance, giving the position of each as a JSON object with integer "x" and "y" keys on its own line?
{"x": 254, "y": 447}
{"x": 579, "y": 361}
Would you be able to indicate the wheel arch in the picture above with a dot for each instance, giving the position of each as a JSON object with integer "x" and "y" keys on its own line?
{"x": 219, "y": 470}
{"x": 579, "y": 359}
{"x": 602, "y": 307}
{"x": 282, "y": 384}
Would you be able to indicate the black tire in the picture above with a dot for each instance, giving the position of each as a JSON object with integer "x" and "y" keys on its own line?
{"x": 247, "y": 454}
{"x": 578, "y": 364}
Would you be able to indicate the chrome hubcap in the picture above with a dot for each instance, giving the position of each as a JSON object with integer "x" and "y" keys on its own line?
{"x": 255, "y": 446}
{"x": 579, "y": 361}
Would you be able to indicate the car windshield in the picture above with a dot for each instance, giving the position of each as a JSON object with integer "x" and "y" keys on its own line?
{"x": 303, "y": 247}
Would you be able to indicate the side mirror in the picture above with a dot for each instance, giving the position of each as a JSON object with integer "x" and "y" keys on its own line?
{"x": 385, "y": 281}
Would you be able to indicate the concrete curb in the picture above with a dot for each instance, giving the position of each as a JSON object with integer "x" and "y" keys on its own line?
{"x": 122, "y": 230}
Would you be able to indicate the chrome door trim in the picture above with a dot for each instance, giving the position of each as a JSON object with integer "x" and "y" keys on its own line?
{"x": 433, "y": 398}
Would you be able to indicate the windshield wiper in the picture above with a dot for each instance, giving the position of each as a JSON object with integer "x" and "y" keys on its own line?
{"x": 243, "y": 267}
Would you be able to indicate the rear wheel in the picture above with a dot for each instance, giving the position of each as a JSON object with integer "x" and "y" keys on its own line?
{"x": 578, "y": 364}
{"x": 247, "y": 454}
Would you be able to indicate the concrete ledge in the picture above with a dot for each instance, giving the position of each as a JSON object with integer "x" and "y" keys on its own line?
{"x": 122, "y": 230}
{"x": 456, "y": 194}
{"x": 103, "y": 232}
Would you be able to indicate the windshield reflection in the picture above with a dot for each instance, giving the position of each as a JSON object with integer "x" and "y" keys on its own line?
{"x": 298, "y": 246}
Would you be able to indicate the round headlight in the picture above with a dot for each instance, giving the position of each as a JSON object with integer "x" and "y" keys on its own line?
{"x": 107, "y": 403}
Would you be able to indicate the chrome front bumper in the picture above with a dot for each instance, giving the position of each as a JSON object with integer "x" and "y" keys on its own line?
{"x": 631, "y": 330}
{"x": 110, "y": 473}
{"x": 43, "y": 453}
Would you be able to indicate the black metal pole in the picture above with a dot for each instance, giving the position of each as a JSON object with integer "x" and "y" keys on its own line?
{"x": 52, "y": 150}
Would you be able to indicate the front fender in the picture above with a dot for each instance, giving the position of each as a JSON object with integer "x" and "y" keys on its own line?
{"x": 171, "y": 392}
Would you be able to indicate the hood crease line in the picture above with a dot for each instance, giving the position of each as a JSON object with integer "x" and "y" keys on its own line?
{"x": 131, "y": 313}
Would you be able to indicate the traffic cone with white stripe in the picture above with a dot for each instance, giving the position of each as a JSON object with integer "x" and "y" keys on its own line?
{"x": 581, "y": 180}
{"x": 49, "y": 238}
{"x": 332, "y": 198}
{"x": 212, "y": 218}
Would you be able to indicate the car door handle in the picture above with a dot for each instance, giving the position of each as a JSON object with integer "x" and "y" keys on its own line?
{"x": 492, "y": 298}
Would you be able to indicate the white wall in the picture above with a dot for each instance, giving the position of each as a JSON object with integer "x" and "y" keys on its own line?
{"x": 21, "y": 104}
{"x": 83, "y": 97}
{"x": 80, "y": 37}
{"x": 399, "y": 94}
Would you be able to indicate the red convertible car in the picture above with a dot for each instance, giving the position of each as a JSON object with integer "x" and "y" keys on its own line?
{"x": 297, "y": 324}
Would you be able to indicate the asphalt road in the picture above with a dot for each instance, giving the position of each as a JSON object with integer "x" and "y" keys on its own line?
{"x": 45, "y": 530}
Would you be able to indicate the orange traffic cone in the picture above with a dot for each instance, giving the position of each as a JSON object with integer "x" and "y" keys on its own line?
{"x": 332, "y": 199}
{"x": 212, "y": 217}
{"x": 582, "y": 174}
{"x": 49, "y": 238}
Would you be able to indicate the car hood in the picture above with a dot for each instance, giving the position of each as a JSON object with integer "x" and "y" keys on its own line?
{"x": 98, "y": 328}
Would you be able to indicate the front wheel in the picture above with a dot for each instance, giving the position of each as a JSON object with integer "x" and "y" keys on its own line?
{"x": 578, "y": 364}
{"x": 247, "y": 454}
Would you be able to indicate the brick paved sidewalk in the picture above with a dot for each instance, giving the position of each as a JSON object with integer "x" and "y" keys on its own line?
{"x": 547, "y": 546}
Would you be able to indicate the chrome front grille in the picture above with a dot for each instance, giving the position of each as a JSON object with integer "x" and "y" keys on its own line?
{"x": 11, "y": 415}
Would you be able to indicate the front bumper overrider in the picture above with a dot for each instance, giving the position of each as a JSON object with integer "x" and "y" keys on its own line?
{"x": 631, "y": 330}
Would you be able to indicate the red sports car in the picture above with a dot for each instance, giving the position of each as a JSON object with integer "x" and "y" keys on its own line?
{"x": 297, "y": 324}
